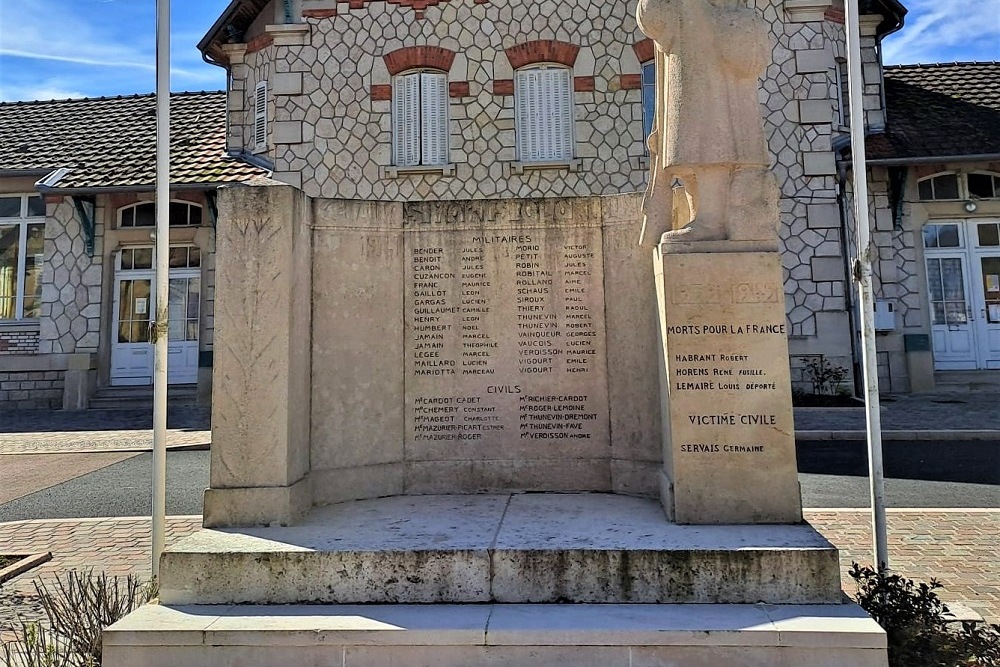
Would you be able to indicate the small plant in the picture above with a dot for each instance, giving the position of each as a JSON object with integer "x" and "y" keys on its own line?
{"x": 826, "y": 379}
{"x": 918, "y": 631}
{"x": 77, "y": 606}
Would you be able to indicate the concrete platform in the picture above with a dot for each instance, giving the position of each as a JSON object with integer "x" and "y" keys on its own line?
{"x": 509, "y": 548}
{"x": 497, "y": 636}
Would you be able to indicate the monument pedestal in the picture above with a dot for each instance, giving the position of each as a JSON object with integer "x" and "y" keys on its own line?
{"x": 728, "y": 436}
{"x": 528, "y": 569}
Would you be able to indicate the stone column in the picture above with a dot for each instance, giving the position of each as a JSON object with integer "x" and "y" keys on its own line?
{"x": 261, "y": 392}
{"x": 729, "y": 440}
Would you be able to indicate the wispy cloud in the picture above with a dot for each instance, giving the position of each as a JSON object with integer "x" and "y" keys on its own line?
{"x": 938, "y": 31}
{"x": 99, "y": 47}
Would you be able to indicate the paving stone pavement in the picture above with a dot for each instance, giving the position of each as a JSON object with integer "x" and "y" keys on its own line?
{"x": 911, "y": 412}
{"x": 57, "y": 431}
{"x": 958, "y": 547}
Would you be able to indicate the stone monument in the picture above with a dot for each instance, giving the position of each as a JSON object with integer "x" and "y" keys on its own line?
{"x": 711, "y": 215}
{"x": 439, "y": 434}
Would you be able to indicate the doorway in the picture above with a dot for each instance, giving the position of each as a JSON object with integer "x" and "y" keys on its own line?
{"x": 135, "y": 311}
{"x": 962, "y": 259}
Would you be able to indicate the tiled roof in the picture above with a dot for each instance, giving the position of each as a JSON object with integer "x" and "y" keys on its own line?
{"x": 110, "y": 142}
{"x": 945, "y": 109}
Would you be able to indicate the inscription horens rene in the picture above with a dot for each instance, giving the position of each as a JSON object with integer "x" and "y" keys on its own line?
{"x": 505, "y": 343}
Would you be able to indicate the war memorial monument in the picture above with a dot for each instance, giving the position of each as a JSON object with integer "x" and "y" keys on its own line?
{"x": 515, "y": 433}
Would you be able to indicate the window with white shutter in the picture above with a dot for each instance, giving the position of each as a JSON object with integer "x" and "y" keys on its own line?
{"x": 420, "y": 119}
{"x": 260, "y": 116}
{"x": 648, "y": 100}
{"x": 543, "y": 100}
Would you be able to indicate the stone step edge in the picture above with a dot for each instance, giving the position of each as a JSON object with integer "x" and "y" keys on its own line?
{"x": 788, "y": 626}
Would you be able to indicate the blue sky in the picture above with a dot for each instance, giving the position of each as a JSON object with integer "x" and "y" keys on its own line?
{"x": 72, "y": 48}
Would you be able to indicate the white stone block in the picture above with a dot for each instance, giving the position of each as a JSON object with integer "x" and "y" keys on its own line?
{"x": 286, "y": 83}
{"x": 286, "y": 132}
{"x": 827, "y": 268}
{"x": 818, "y": 164}
{"x": 813, "y": 60}
{"x": 815, "y": 111}
{"x": 823, "y": 216}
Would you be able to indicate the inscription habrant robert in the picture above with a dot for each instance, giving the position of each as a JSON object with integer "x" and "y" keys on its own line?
{"x": 711, "y": 212}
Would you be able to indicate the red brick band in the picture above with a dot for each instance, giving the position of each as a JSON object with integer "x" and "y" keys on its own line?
{"x": 381, "y": 92}
{"x": 458, "y": 89}
{"x": 411, "y": 57}
{"x": 319, "y": 13}
{"x": 542, "y": 51}
{"x": 503, "y": 86}
{"x": 644, "y": 50}
{"x": 583, "y": 84}
{"x": 259, "y": 42}
{"x": 630, "y": 81}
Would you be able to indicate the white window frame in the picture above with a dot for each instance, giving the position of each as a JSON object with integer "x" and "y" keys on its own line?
{"x": 21, "y": 222}
{"x": 961, "y": 186}
{"x": 171, "y": 223}
{"x": 259, "y": 126}
{"x": 421, "y": 121}
{"x": 529, "y": 149}
{"x": 983, "y": 172}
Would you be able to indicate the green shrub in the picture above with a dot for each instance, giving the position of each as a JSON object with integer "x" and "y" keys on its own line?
{"x": 916, "y": 624}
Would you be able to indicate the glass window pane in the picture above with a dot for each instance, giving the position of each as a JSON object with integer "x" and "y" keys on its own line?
{"x": 128, "y": 217}
{"x": 194, "y": 215}
{"x": 946, "y": 187}
{"x": 143, "y": 258}
{"x": 930, "y": 236}
{"x": 194, "y": 256}
{"x": 948, "y": 236}
{"x": 10, "y": 207}
{"x": 178, "y": 214}
{"x": 953, "y": 280}
{"x": 989, "y": 234}
{"x": 145, "y": 215}
{"x": 938, "y": 313}
{"x": 33, "y": 259}
{"x": 9, "y": 243}
{"x": 934, "y": 279}
{"x": 193, "y": 298}
{"x": 126, "y": 258}
{"x": 178, "y": 257}
{"x": 926, "y": 190}
{"x": 954, "y": 312}
{"x": 981, "y": 185}
{"x": 192, "y": 330}
{"x": 36, "y": 207}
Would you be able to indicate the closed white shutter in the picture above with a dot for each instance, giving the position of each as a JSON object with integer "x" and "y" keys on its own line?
{"x": 544, "y": 115}
{"x": 406, "y": 120}
{"x": 434, "y": 118}
{"x": 260, "y": 115}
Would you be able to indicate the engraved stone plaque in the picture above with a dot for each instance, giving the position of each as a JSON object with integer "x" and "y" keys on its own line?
{"x": 504, "y": 335}
{"x": 730, "y": 450}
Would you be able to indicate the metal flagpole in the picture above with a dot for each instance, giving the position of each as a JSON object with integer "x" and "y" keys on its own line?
{"x": 162, "y": 279}
{"x": 863, "y": 277}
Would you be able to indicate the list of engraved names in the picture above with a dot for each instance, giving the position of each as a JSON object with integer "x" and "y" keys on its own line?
{"x": 505, "y": 336}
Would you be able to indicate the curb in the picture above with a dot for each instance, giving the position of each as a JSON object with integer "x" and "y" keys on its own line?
{"x": 951, "y": 435}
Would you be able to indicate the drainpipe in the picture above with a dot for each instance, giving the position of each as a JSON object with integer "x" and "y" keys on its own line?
{"x": 852, "y": 315}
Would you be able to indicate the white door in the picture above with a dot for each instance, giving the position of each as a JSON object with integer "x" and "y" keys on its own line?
{"x": 135, "y": 311}
{"x": 952, "y": 333}
{"x": 131, "y": 353}
{"x": 986, "y": 305}
{"x": 184, "y": 308}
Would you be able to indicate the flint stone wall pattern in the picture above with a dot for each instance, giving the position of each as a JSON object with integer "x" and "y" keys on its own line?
{"x": 71, "y": 283}
{"x": 336, "y": 140}
{"x": 465, "y": 346}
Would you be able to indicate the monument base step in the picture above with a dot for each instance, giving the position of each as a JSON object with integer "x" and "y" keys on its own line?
{"x": 838, "y": 635}
{"x": 508, "y": 548}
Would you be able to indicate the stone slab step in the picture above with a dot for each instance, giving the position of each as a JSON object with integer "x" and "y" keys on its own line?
{"x": 511, "y": 548}
{"x": 839, "y": 635}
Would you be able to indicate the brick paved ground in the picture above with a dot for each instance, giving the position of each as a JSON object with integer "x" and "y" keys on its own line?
{"x": 958, "y": 547}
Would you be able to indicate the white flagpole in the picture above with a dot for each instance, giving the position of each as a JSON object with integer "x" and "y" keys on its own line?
{"x": 162, "y": 280}
{"x": 863, "y": 276}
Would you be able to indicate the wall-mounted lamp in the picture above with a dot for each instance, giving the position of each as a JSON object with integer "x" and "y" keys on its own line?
{"x": 970, "y": 206}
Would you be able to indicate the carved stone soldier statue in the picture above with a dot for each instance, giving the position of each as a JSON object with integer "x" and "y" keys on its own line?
{"x": 709, "y": 177}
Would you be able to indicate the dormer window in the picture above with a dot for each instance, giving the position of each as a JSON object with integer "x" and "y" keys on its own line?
{"x": 937, "y": 188}
{"x": 984, "y": 186}
{"x": 143, "y": 214}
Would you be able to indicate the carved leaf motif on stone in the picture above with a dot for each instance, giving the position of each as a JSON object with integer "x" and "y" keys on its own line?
{"x": 254, "y": 275}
